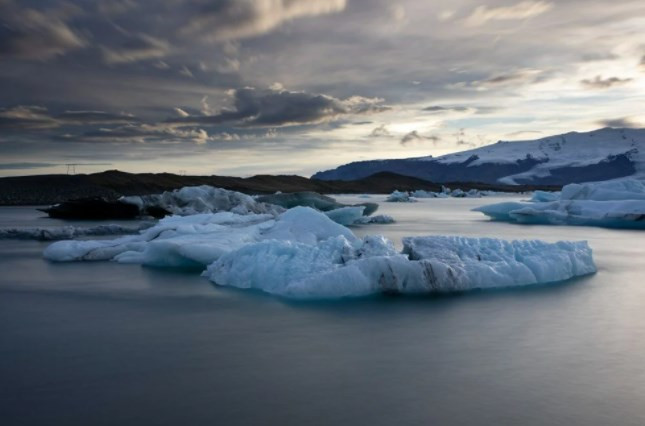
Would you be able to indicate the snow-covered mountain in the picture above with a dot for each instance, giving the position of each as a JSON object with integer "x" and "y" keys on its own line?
{"x": 555, "y": 160}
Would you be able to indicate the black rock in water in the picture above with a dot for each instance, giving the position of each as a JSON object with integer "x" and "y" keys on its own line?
{"x": 92, "y": 209}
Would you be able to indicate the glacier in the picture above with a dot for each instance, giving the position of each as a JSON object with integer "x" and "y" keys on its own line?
{"x": 611, "y": 204}
{"x": 303, "y": 254}
{"x": 602, "y": 154}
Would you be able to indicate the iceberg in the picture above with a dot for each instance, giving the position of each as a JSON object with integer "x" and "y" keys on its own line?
{"x": 346, "y": 215}
{"x": 303, "y": 254}
{"x": 619, "y": 204}
{"x": 191, "y": 200}
{"x": 336, "y": 268}
{"x": 317, "y": 201}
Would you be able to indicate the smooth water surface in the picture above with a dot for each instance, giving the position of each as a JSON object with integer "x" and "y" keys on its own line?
{"x": 108, "y": 344}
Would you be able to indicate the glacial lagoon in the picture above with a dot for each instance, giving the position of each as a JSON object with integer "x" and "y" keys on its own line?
{"x": 85, "y": 342}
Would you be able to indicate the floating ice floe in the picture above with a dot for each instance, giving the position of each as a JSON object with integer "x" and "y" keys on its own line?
{"x": 52, "y": 233}
{"x": 619, "y": 204}
{"x": 303, "y": 254}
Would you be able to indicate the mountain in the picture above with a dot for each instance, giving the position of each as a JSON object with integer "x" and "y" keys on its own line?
{"x": 112, "y": 184}
{"x": 602, "y": 154}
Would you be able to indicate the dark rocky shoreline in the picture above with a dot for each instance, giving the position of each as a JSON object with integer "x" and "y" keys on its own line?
{"x": 112, "y": 184}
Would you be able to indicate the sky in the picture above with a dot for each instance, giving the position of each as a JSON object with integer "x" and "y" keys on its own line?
{"x": 244, "y": 87}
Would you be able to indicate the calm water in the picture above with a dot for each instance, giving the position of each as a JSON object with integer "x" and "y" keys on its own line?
{"x": 106, "y": 344}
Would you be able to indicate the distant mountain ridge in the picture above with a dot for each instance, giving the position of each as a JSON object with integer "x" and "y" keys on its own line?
{"x": 603, "y": 154}
{"x": 112, "y": 184}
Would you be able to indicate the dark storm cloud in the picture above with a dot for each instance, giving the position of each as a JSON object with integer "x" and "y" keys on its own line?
{"x": 623, "y": 122}
{"x": 604, "y": 83}
{"x": 275, "y": 108}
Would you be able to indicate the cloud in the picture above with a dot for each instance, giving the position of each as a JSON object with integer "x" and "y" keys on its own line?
{"x": 604, "y": 83}
{"x": 414, "y": 136}
{"x": 21, "y": 166}
{"x": 380, "y": 131}
{"x": 441, "y": 109}
{"x": 519, "y": 11}
{"x": 30, "y": 117}
{"x": 141, "y": 133}
{"x": 623, "y": 122}
{"x": 135, "y": 48}
{"x": 225, "y": 20}
{"x": 94, "y": 117}
{"x": 516, "y": 77}
{"x": 275, "y": 108}
{"x": 522, "y": 133}
{"x": 180, "y": 112}
{"x": 36, "y": 35}
{"x": 186, "y": 72}
{"x": 26, "y": 117}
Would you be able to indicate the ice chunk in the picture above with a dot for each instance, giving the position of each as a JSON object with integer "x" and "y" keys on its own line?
{"x": 489, "y": 262}
{"x": 544, "y": 196}
{"x": 346, "y": 215}
{"x": 400, "y": 197}
{"x": 380, "y": 219}
{"x": 606, "y": 204}
{"x": 306, "y": 225}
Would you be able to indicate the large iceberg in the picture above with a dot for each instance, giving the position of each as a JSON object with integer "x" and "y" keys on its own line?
{"x": 618, "y": 204}
{"x": 338, "y": 268}
{"x": 302, "y": 253}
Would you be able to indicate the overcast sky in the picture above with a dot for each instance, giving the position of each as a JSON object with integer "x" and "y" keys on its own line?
{"x": 242, "y": 87}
